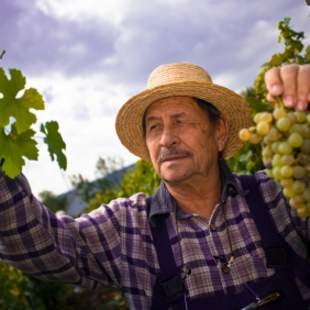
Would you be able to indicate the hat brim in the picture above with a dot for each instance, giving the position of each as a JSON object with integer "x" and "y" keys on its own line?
{"x": 231, "y": 105}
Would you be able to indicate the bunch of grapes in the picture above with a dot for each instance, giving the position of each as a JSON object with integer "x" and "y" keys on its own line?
{"x": 285, "y": 138}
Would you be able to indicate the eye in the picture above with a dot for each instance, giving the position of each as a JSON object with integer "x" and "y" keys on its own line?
{"x": 153, "y": 127}
{"x": 180, "y": 121}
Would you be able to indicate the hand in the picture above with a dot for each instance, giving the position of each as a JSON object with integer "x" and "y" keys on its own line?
{"x": 292, "y": 83}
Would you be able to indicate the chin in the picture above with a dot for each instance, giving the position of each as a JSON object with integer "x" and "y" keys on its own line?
{"x": 174, "y": 178}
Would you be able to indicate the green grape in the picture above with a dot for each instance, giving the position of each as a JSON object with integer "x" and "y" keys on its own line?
{"x": 306, "y": 147}
{"x": 296, "y": 201}
{"x": 305, "y": 131}
{"x": 267, "y": 151}
{"x": 292, "y": 117}
{"x": 286, "y": 171}
{"x": 307, "y": 194}
{"x": 287, "y": 159}
{"x": 302, "y": 211}
{"x": 252, "y": 129}
{"x": 275, "y": 147}
{"x": 297, "y": 128}
{"x": 298, "y": 187}
{"x": 279, "y": 113}
{"x": 288, "y": 192}
{"x": 262, "y": 128}
{"x": 274, "y": 134}
{"x": 284, "y": 135}
{"x": 276, "y": 160}
{"x": 300, "y": 116}
{"x": 276, "y": 173}
{"x": 283, "y": 124}
{"x": 255, "y": 138}
{"x": 267, "y": 117}
{"x": 284, "y": 148}
{"x": 287, "y": 183}
{"x": 245, "y": 134}
{"x": 303, "y": 159}
{"x": 299, "y": 172}
{"x": 295, "y": 140}
{"x": 262, "y": 116}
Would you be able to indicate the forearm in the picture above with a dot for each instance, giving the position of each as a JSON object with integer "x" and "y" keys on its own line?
{"x": 33, "y": 239}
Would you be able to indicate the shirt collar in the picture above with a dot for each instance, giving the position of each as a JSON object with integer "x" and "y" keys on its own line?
{"x": 162, "y": 202}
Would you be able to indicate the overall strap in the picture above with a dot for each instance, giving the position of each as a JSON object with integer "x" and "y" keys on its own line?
{"x": 169, "y": 289}
{"x": 273, "y": 244}
{"x": 278, "y": 253}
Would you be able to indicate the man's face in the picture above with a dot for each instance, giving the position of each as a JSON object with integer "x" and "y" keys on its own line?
{"x": 181, "y": 141}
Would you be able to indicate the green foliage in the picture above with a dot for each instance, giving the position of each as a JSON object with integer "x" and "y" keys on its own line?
{"x": 14, "y": 147}
{"x": 18, "y": 107}
{"x": 53, "y": 202}
{"x": 16, "y": 118}
{"x": 87, "y": 190}
{"x": 55, "y": 143}
{"x": 142, "y": 178}
{"x": 248, "y": 159}
{"x": 17, "y": 290}
{"x": 20, "y": 292}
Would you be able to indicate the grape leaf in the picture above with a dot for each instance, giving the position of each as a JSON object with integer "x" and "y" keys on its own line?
{"x": 14, "y": 147}
{"x": 55, "y": 142}
{"x": 18, "y": 107}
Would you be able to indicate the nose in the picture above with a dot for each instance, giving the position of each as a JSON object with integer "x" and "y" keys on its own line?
{"x": 168, "y": 137}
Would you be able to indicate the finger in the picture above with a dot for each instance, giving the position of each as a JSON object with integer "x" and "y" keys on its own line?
{"x": 288, "y": 75}
{"x": 273, "y": 82}
{"x": 303, "y": 87}
{"x": 270, "y": 98}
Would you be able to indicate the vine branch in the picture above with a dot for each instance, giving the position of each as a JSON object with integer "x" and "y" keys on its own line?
{"x": 2, "y": 54}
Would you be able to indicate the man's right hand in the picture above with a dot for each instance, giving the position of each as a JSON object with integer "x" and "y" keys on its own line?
{"x": 292, "y": 83}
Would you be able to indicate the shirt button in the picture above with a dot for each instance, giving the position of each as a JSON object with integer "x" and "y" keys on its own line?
{"x": 225, "y": 268}
{"x": 212, "y": 227}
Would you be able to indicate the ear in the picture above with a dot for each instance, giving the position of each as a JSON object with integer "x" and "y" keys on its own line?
{"x": 221, "y": 134}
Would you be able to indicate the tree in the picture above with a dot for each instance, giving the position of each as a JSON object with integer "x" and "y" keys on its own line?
{"x": 248, "y": 159}
{"x": 52, "y": 201}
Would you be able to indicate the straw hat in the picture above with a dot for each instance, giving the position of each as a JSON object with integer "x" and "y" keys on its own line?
{"x": 181, "y": 79}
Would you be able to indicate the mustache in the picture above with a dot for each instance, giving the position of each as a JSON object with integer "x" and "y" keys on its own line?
{"x": 166, "y": 153}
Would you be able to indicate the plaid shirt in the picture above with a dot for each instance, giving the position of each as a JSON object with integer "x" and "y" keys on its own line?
{"x": 113, "y": 245}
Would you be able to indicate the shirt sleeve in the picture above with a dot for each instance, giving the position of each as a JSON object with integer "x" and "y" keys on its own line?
{"x": 83, "y": 251}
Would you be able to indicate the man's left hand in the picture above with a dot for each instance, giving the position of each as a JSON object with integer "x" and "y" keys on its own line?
{"x": 292, "y": 83}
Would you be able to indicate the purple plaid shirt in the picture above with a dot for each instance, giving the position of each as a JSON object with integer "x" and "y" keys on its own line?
{"x": 113, "y": 245}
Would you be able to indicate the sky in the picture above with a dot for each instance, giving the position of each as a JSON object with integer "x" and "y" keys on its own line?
{"x": 88, "y": 57}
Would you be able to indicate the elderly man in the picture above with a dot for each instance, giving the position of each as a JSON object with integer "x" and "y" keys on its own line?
{"x": 207, "y": 239}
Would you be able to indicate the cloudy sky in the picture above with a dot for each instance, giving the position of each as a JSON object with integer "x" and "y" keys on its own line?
{"x": 88, "y": 57}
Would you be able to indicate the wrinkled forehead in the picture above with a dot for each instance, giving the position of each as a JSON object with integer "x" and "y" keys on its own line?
{"x": 172, "y": 105}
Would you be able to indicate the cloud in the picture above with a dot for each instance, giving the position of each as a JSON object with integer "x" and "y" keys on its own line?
{"x": 88, "y": 57}
{"x": 86, "y": 113}
{"x": 127, "y": 39}
{"x": 41, "y": 43}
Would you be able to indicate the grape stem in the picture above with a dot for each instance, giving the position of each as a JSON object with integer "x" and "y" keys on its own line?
{"x": 2, "y": 54}
{"x": 279, "y": 103}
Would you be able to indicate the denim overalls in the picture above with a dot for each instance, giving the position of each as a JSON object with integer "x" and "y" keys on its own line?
{"x": 276, "y": 292}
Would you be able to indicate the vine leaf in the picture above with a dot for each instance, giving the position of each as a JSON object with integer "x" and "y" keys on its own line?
{"x": 14, "y": 147}
{"x": 11, "y": 105}
{"x": 55, "y": 143}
